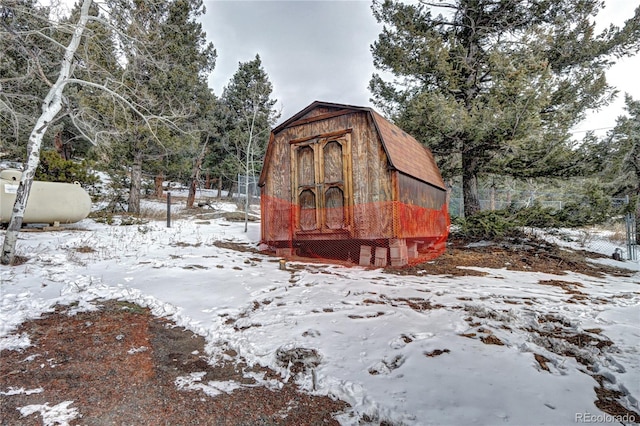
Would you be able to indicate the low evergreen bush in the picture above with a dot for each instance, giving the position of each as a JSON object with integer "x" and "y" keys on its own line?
{"x": 53, "y": 168}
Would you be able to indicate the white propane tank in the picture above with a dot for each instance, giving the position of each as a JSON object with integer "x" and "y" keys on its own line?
{"x": 49, "y": 202}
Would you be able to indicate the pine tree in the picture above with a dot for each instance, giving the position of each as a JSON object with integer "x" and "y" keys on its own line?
{"x": 616, "y": 158}
{"x": 167, "y": 62}
{"x": 494, "y": 86}
{"x": 245, "y": 118}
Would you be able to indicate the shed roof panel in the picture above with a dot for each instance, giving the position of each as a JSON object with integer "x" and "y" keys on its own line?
{"x": 405, "y": 153}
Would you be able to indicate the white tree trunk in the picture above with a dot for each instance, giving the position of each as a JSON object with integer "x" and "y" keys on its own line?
{"x": 50, "y": 108}
{"x": 248, "y": 153}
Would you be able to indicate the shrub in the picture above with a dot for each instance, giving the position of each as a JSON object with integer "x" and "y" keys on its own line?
{"x": 53, "y": 168}
{"x": 537, "y": 216}
{"x": 488, "y": 225}
{"x": 592, "y": 208}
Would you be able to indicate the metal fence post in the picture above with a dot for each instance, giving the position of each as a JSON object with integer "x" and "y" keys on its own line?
{"x": 631, "y": 227}
{"x": 168, "y": 209}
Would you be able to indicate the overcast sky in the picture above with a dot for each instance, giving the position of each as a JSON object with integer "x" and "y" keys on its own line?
{"x": 311, "y": 50}
{"x": 320, "y": 50}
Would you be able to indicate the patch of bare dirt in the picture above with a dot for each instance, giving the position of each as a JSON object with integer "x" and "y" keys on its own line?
{"x": 531, "y": 256}
{"x": 436, "y": 352}
{"x": 542, "y": 361}
{"x": 416, "y": 303}
{"x": 560, "y": 330}
{"x": 119, "y": 365}
{"x": 232, "y": 245}
{"x": 607, "y": 401}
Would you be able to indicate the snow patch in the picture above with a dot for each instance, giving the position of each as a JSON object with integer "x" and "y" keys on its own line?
{"x": 20, "y": 391}
{"x": 212, "y": 388}
{"x": 15, "y": 342}
{"x": 58, "y": 415}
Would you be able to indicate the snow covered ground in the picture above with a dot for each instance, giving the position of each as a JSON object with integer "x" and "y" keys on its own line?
{"x": 406, "y": 349}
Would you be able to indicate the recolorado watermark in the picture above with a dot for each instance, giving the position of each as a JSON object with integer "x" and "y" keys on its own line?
{"x": 604, "y": 418}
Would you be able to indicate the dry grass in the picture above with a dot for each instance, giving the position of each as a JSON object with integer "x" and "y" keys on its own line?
{"x": 619, "y": 235}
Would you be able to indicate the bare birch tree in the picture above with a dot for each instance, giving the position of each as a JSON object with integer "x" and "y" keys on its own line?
{"x": 93, "y": 93}
{"x": 51, "y": 106}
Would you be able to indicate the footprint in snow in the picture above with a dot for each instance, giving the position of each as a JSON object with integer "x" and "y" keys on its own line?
{"x": 406, "y": 338}
{"x": 387, "y": 365}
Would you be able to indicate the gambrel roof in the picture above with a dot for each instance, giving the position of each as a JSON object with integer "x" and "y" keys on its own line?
{"x": 403, "y": 151}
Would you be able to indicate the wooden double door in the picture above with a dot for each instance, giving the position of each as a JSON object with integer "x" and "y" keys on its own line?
{"x": 322, "y": 186}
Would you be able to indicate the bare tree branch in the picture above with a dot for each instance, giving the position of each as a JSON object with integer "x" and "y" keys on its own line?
{"x": 50, "y": 108}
